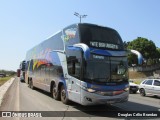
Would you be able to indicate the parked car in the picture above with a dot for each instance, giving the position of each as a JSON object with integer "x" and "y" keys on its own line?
{"x": 150, "y": 86}
{"x": 133, "y": 88}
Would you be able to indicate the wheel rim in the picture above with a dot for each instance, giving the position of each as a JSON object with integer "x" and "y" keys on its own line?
{"x": 54, "y": 93}
{"x": 63, "y": 95}
{"x": 29, "y": 84}
{"x": 142, "y": 92}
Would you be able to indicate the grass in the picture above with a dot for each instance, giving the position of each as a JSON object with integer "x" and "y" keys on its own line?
{"x": 138, "y": 77}
{"x": 4, "y": 79}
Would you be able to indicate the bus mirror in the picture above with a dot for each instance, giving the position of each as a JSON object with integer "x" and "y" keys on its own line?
{"x": 81, "y": 47}
{"x": 139, "y": 55}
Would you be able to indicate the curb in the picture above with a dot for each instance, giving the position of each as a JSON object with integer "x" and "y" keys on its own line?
{"x": 4, "y": 88}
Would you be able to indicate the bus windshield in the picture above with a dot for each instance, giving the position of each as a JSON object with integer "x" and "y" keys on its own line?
{"x": 103, "y": 69}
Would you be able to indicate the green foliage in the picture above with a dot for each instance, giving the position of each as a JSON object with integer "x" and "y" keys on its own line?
{"x": 146, "y": 47}
{"x": 158, "y": 52}
{"x": 4, "y": 79}
{"x": 150, "y": 62}
{"x": 8, "y": 72}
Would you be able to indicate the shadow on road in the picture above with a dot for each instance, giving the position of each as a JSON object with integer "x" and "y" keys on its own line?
{"x": 77, "y": 110}
{"x": 153, "y": 96}
{"x": 133, "y": 106}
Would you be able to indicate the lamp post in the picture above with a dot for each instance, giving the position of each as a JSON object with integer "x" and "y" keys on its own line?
{"x": 80, "y": 16}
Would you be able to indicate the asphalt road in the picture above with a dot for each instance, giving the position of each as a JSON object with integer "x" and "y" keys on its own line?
{"x": 20, "y": 97}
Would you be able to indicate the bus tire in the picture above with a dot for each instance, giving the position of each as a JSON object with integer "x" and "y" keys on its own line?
{"x": 55, "y": 93}
{"x": 28, "y": 83}
{"x": 31, "y": 84}
{"x": 64, "y": 98}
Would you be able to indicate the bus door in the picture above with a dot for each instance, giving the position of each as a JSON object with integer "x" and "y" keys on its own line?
{"x": 73, "y": 76}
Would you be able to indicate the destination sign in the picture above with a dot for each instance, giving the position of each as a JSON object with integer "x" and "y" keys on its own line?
{"x": 103, "y": 45}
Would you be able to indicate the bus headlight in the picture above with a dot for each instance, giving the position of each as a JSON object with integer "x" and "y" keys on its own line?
{"x": 126, "y": 89}
{"x": 91, "y": 90}
{"x": 88, "y": 89}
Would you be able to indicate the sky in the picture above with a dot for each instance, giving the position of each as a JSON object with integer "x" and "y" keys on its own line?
{"x": 26, "y": 23}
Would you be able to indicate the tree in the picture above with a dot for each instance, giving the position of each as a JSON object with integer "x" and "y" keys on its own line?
{"x": 8, "y": 72}
{"x": 158, "y": 53}
{"x": 146, "y": 47}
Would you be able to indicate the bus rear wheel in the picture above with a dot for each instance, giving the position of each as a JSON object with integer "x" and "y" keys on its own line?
{"x": 64, "y": 98}
{"x": 55, "y": 93}
{"x": 31, "y": 84}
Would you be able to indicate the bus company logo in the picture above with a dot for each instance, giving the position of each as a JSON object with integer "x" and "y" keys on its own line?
{"x": 69, "y": 34}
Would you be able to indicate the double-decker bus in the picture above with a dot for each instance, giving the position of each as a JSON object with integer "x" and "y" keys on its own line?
{"x": 22, "y": 71}
{"x": 84, "y": 63}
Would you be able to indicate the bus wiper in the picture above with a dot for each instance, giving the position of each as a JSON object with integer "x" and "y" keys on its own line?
{"x": 97, "y": 79}
{"x": 118, "y": 80}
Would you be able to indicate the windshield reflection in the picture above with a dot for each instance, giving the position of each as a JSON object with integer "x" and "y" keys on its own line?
{"x": 103, "y": 69}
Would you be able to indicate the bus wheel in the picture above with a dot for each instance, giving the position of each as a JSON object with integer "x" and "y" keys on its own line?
{"x": 64, "y": 98}
{"x": 55, "y": 93}
{"x": 31, "y": 84}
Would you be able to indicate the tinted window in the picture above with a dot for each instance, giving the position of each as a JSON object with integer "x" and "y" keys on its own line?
{"x": 156, "y": 83}
{"x": 149, "y": 82}
{"x": 74, "y": 63}
{"x": 100, "y": 37}
{"x": 144, "y": 81}
{"x": 103, "y": 69}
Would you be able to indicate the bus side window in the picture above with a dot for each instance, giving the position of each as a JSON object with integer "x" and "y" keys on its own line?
{"x": 73, "y": 67}
{"x": 77, "y": 69}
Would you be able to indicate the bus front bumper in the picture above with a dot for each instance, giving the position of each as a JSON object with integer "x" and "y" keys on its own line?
{"x": 88, "y": 98}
